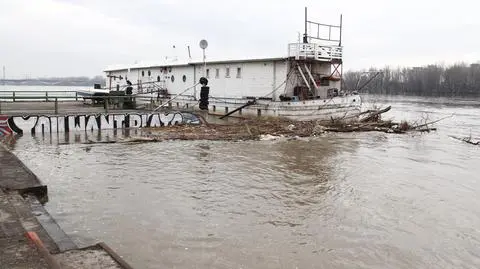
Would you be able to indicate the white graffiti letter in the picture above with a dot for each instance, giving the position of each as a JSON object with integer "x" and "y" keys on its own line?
{"x": 106, "y": 123}
{"x": 154, "y": 121}
{"x": 76, "y": 123}
{"x": 61, "y": 124}
{"x": 91, "y": 123}
{"x": 134, "y": 121}
{"x": 145, "y": 118}
{"x": 43, "y": 125}
{"x": 171, "y": 119}
{"x": 21, "y": 124}
{"x": 119, "y": 119}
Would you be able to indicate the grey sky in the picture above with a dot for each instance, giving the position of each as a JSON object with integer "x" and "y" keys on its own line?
{"x": 82, "y": 37}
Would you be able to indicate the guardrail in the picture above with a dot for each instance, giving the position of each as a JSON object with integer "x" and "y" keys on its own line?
{"x": 314, "y": 51}
{"x": 108, "y": 100}
{"x": 14, "y": 96}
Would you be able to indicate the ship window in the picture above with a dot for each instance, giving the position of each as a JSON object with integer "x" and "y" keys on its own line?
{"x": 172, "y": 78}
{"x": 217, "y": 73}
{"x": 324, "y": 82}
{"x": 208, "y": 73}
{"x": 143, "y": 73}
{"x": 184, "y": 78}
{"x": 239, "y": 72}
{"x": 149, "y": 73}
{"x": 227, "y": 72}
{"x": 158, "y": 78}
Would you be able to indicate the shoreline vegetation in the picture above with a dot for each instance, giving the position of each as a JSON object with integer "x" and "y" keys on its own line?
{"x": 458, "y": 80}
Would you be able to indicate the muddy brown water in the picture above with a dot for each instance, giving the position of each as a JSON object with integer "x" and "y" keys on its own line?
{"x": 358, "y": 200}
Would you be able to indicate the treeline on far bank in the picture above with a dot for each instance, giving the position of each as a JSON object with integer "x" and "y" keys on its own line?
{"x": 459, "y": 80}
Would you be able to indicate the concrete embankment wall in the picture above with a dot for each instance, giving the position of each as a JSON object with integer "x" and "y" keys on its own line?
{"x": 29, "y": 236}
{"x": 30, "y": 118}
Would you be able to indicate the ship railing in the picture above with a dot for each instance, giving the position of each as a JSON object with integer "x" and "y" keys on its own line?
{"x": 303, "y": 51}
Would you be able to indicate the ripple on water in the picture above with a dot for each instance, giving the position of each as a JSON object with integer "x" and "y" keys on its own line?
{"x": 369, "y": 200}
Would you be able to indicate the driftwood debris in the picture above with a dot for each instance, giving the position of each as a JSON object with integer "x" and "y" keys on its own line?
{"x": 467, "y": 140}
{"x": 260, "y": 127}
{"x": 374, "y": 115}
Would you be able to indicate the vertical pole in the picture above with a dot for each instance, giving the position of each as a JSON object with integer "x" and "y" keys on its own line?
{"x": 204, "y": 65}
{"x": 341, "y": 26}
{"x": 46, "y": 96}
{"x": 106, "y": 101}
{"x": 56, "y": 106}
{"x": 13, "y": 96}
{"x": 76, "y": 96}
{"x": 274, "y": 84}
{"x": 305, "y": 35}
{"x": 195, "y": 81}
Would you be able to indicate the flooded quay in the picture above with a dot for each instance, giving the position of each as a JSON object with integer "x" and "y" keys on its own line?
{"x": 339, "y": 200}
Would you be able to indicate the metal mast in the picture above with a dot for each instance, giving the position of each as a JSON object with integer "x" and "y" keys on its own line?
{"x": 305, "y": 36}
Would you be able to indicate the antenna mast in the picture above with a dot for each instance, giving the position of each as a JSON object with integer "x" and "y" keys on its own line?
{"x": 305, "y": 36}
{"x": 341, "y": 26}
{"x": 203, "y": 46}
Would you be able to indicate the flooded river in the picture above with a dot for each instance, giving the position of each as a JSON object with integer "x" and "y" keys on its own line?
{"x": 366, "y": 200}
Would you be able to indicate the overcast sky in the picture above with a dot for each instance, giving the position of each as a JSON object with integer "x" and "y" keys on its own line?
{"x": 82, "y": 37}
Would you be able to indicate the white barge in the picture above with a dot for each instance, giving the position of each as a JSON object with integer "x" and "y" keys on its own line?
{"x": 304, "y": 85}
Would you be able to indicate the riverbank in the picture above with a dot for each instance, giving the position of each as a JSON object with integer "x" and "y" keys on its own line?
{"x": 29, "y": 236}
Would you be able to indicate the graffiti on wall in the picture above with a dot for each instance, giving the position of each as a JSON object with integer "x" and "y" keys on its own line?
{"x": 57, "y": 124}
{"x": 4, "y": 129}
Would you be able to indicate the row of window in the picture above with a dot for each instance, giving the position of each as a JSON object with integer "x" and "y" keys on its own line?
{"x": 172, "y": 78}
{"x": 184, "y": 78}
{"x": 164, "y": 70}
{"x": 217, "y": 72}
{"x": 227, "y": 72}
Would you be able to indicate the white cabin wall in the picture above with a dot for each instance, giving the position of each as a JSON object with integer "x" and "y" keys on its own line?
{"x": 256, "y": 78}
{"x": 141, "y": 75}
{"x": 178, "y": 86}
{"x": 280, "y": 77}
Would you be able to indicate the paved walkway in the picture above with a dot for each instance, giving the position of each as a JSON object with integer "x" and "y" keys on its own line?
{"x": 17, "y": 251}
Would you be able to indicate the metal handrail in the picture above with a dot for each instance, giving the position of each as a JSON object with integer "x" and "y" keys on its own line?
{"x": 55, "y": 99}
{"x": 315, "y": 51}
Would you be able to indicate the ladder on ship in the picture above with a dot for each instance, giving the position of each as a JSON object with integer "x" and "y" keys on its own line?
{"x": 304, "y": 73}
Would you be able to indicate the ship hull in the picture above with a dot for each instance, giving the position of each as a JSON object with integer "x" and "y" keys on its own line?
{"x": 340, "y": 107}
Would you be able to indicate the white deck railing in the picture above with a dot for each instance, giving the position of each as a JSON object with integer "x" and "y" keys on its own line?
{"x": 314, "y": 51}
